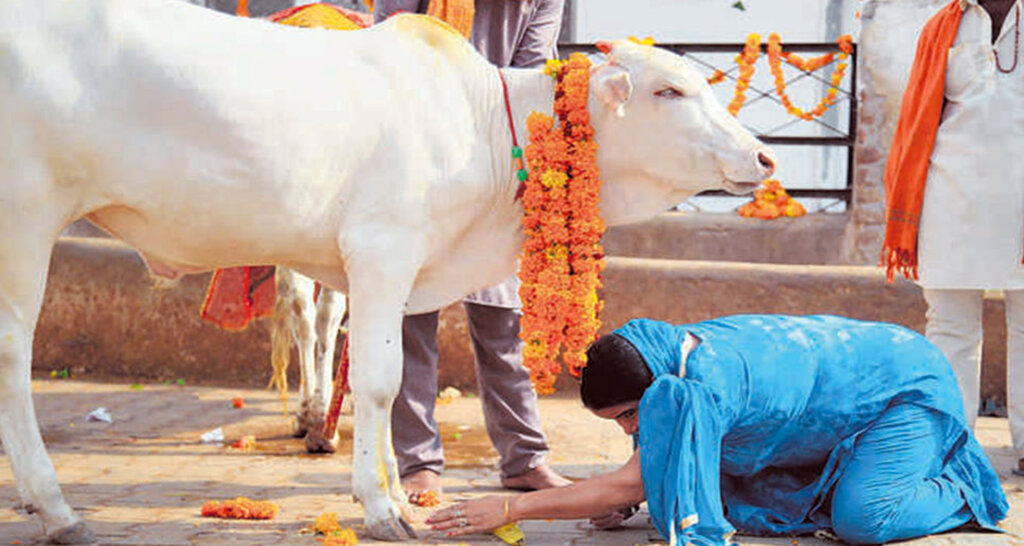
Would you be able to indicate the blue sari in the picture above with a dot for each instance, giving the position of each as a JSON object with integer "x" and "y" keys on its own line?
{"x": 785, "y": 425}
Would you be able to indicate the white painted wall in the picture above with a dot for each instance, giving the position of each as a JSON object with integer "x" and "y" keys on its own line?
{"x": 711, "y": 20}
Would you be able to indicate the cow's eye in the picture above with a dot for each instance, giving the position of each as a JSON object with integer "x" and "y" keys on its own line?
{"x": 669, "y": 93}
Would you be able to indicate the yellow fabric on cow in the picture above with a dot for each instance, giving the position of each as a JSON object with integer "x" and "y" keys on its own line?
{"x": 322, "y": 16}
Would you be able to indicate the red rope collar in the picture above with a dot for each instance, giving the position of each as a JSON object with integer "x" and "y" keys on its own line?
{"x": 517, "y": 152}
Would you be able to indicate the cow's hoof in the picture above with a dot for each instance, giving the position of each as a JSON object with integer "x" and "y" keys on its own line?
{"x": 317, "y": 443}
{"x": 394, "y": 528}
{"x": 300, "y": 428}
{"x": 78, "y": 533}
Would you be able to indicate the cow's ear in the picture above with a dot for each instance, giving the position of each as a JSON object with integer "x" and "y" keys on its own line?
{"x": 612, "y": 85}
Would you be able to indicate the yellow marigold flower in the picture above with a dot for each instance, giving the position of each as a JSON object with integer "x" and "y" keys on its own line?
{"x": 646, "y": 40}
{"x": 326, "y": 523}
{"x": 554, "y": 179}
{"x": 557, "y": 252}
{"x": 553, "y": 66}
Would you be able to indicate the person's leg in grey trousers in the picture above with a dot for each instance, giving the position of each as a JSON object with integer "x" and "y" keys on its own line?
{"x": 509, "y": 402}
{"x": 414, "y": 431}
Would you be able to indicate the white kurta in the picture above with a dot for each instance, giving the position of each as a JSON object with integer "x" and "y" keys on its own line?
{"x": 972, "y": 220}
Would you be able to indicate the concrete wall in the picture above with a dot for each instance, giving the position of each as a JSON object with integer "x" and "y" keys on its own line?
{"x": 811, "y": 239}
{"x": 104, "y": 318}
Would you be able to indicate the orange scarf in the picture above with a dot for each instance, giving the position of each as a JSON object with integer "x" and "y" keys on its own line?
{"x": 457, "y": 13}
{"x": 907, "y": 166}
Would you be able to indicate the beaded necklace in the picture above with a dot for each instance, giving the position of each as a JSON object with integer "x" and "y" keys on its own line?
{"x": 1016, "y": 47}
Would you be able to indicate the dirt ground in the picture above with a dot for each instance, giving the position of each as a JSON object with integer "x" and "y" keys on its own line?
{"x": 143, "y": 478}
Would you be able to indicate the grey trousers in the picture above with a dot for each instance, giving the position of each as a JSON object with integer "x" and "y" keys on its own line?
{"x": 509, "y": 402}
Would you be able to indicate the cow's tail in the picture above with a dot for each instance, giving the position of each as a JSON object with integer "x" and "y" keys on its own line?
{"x": 280, "y": 353}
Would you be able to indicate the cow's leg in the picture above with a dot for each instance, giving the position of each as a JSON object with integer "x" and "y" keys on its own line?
{"x": 330, "y": 310}
{"x": 24, "y": 258}
{"x": 380, "y": 284}
{"x": 295, "y": 299}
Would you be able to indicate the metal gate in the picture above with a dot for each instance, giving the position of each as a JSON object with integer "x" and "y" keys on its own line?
{"x": 827, "y": 140}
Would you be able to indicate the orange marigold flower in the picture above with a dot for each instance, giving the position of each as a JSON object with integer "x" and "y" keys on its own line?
{"x": 346, "y": 537}
{"x": 427, "y": 499}
{"x": 239, "y": 508}
{"x": 717, "y": 77}
{"x": 245, "y": 443}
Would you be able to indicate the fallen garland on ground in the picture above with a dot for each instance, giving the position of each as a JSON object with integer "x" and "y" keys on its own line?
{"x": 239, "y": 508}
{"x": 327, "y": 526}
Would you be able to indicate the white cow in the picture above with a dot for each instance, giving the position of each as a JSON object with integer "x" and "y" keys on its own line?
{"x": 377, "y": 161}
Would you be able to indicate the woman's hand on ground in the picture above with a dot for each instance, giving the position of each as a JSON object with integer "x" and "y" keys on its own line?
{"x": 474, "y": 516}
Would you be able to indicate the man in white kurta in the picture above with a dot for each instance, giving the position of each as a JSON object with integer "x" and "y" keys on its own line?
{"x": 972, "y": 219}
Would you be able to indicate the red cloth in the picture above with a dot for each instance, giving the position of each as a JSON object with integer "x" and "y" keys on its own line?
{"x": 906, "y": 168}
{"x": 238, "y": 295}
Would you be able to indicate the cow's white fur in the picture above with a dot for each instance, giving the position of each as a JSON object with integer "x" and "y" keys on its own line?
{"x": 376, "y": 161}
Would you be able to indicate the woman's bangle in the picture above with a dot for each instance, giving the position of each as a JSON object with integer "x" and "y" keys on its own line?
{"x": 507, "y": 502}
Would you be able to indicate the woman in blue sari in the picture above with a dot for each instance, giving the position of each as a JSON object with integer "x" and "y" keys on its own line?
{"x": 773, "y": 425}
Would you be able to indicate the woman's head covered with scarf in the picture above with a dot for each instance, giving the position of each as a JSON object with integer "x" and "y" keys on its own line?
{"x": 621, "y": 365}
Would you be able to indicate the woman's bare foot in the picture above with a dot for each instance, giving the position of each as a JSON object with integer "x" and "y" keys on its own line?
{"x": 421, "y": 482}
{"x": 540, "y": 477}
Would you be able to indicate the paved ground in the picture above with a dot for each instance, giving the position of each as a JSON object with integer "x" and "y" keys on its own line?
{"x": 142, "y": 479}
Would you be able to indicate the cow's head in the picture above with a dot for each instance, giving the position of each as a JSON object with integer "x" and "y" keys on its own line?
{"x": 663, "y": 135}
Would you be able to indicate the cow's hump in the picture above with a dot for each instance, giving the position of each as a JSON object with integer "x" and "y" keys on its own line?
{"x": 433, "y": 32}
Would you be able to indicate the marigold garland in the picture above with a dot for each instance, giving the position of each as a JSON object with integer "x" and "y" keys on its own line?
{"x": 562, "y": 259}
{"x": 775, "y": 54}
{"x": 751, "y": 51}
{"x": 239, "y": 508}
{"x": 770, "y": 202}
{"x": 745, "y": 60}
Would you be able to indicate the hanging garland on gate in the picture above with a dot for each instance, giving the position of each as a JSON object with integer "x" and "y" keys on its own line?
{"x": 751, "y": 51}
{"x": 775, "y": 56}
{"x": 745, "y": 60}
{"x": 560, "y": 267}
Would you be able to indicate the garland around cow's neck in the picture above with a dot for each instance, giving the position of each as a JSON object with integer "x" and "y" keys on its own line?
{"x": 560, "y": 267}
